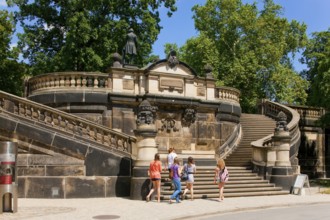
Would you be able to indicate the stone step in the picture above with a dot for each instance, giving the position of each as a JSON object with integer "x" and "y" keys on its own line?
{"x": 256, "y": 184}
{"x": 229, "y": 190}
{"x": 229, "y": 195}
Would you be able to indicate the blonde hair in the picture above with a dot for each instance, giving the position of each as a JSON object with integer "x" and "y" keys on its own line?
{"x": 221, "y": 164}
{"x": 176, "y": 160}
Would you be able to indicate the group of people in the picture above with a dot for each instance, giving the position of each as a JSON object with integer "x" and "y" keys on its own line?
{"x": 221, "y": 176}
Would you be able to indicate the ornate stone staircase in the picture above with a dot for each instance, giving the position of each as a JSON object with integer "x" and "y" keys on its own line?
{"x": 242, "y": 181}
{"x": 254, "y": 127}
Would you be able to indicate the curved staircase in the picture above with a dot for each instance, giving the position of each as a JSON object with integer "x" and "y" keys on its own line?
{"x": 254, "y": 127}
{"x": 242, "y": 181}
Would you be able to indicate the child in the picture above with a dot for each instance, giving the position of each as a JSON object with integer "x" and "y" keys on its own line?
{"x": 221, "y": 177}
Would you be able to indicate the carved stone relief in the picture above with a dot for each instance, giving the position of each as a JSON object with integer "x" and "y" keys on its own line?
{"x": 188, "y": 116}
{"x": 146, "y": 113}
{"x": 168, "y": 123}
{"x": 128, "y": 84}
{"x": 281, "y": 123}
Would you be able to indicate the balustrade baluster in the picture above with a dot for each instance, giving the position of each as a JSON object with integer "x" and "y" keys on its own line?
{"x": 84, "y": 81}
{"x": 62, "y": 82}
{"x": 96, "y": 82}
{"x": 67, "y": 81}
{"x": 51, "y": 82}
{"x": 73, "y": 81}
{"x": 57, "y": 82}
{"x": 47, "y": 83}
{"x": 78, "y": 80}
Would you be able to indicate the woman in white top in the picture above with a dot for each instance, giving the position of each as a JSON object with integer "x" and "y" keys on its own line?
{"x": 190, "y": 167}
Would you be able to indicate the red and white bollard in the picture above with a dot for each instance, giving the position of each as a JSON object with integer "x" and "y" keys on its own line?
{"x": 8, "y": 177}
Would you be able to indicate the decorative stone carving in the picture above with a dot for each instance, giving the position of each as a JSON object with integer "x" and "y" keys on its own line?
{"x": 117, "y": 60}
{"x": 208, "y": 71}
{"x": 281, "y": 123}
{"x": 201, "y": 91}
{"x": 146, "y": 113}
{"x": 188, "y": 116}
{"x": 172, "y": 59}
{"x": 168, "y": 123}
{"x": 171, "y": 84}
{"x": 128, "y": 84}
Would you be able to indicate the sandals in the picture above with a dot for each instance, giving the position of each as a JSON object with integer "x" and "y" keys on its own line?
{"x": 147, "y": 198}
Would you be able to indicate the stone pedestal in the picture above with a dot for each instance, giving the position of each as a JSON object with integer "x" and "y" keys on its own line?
{"x": 146, "y": 150}
{"x": 282, "y": 174}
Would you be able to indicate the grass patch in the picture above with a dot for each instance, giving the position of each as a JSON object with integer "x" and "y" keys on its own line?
{"x": 321, "y": 182}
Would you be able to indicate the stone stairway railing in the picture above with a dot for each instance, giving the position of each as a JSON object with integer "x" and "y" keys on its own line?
{"x": 64, "y": 122}
{"x": 231, "y": 143}
{"x": 272, "y": 109}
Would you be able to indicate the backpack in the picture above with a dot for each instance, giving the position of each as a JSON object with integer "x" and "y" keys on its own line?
{"x": 223, "y": 175}
{"x": 184, "y": 174}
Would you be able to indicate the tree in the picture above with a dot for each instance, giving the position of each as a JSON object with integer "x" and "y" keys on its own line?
{"x": 199, "y": 52}
{"x": 250, "y": 50}
{"x": 12, "y": 72}
{"x": 317, "y": 58}
{"x": 81, "y": 35}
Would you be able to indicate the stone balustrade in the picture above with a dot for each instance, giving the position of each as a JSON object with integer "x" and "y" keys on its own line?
{"x": 70, "y": 124}
{"x": 101, "y": 82}
{"x": 228, "y": 94}
{"x": 262, "y": 147}
{"x": 68, "y": 80}
{"x": 309, "y": 112}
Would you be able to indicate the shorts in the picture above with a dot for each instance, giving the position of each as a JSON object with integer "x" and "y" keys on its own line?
{"x": 155, "y": 179}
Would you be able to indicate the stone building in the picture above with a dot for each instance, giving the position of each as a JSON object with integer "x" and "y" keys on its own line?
{"x": 91, "y": 134}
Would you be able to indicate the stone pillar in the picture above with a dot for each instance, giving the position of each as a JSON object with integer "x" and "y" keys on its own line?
{"x": 282, "y": 174}
{"x": 146, "y": 150}
{"x": 320, "y": 145}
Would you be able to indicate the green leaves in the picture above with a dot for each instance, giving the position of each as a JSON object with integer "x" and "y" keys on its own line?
{"x": 82, "y": 34}
{"x": 11, "y": 72}
{"x": 249, "y": 49}
{"x": 317, "y": 59}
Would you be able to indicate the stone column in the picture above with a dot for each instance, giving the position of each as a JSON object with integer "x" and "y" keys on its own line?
{"x": 282, "y": 174}
{"x": 146, "y": 150}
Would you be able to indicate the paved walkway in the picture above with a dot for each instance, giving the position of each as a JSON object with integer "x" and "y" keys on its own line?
{"x": 124, "y": 208}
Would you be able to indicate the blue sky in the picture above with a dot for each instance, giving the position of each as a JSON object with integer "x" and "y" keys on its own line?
{"x": 180, "y": 27}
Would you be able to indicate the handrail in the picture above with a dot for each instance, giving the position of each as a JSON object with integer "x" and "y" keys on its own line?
{"x": 272, "y": 109}
{"x": 230, "y": 144}
{"x": 65, "y": 122}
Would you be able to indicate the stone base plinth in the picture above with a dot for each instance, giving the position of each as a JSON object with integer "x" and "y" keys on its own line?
{"x": 282, "y": 176}
{"x": 140, "y": 183}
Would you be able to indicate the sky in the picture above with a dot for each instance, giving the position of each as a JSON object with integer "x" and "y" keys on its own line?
{"x": 180, "y": 27}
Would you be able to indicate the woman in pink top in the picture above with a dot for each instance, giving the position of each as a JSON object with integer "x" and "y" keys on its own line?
{"x": 155, "y": 169}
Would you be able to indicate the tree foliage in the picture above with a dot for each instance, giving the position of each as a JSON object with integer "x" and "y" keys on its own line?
{"x": 81, "y": 35}
{"x": 249, "y": 49}
{"x": 317, "y": 58}
{"x": 11, "y": 71}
